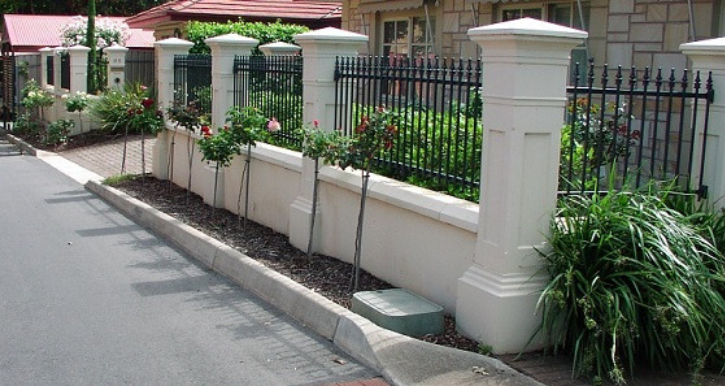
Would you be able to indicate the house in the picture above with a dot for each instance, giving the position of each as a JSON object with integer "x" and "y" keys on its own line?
{"x": 168, "y": 20}
{"x": 30, "y": 33}
{"x": 621, "y": 32}
{"x": 24, "y": 35}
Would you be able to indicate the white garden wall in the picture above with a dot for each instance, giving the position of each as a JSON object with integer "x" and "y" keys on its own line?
{"x": 414, "y": 238}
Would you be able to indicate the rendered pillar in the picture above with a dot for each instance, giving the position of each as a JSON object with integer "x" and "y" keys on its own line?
{"x": 57, "y": 52}
{"x": 321, "y": 47}
{"x": 280, "y": 49}
{"x": 78, "y": 68}
{"x": 223, "y": 50}
{"x": 525, "y": 65}
{"x": 116, "y": 56}
{"x": 165, "y": 50}
{"x": 45, "y": 53}
{"x": 706, "y": 56}
{"x": 57, "y": 108}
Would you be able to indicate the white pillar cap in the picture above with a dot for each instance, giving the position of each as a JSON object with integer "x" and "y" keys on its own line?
{"x": 330, "y": 35}
{"x": 173, "y": 43}
{"x": 525, "y": 27}
{"x": 115, "y": 48}
{"x": 711, "y": 46}
{"x": 231, "y": 40}
{"x": 79, "y": 48}
{"x": 280, "y": 48}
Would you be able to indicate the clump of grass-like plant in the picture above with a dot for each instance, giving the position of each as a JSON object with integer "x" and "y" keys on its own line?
{"x": 633, "y": 279}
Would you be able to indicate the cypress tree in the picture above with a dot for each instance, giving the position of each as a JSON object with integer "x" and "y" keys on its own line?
{"x": 91, "y": 42}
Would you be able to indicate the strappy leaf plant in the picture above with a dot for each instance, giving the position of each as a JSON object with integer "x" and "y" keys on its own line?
{"x": 633, "y": 280}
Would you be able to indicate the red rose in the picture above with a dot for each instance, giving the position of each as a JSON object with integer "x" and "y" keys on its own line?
{"x": 147, "y": 103}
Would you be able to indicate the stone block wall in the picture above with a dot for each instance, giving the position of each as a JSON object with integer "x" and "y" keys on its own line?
{"x": 648, "y": 33}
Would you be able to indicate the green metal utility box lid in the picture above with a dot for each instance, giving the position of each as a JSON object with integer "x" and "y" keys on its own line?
{"x": 400, "y": 311}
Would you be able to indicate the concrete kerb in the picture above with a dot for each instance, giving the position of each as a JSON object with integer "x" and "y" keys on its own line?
{"x": 24, "y": 146}
{"x": 402, "y": 360}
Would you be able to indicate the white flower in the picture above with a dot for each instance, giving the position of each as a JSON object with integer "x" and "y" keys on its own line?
{"x": 32, "y": 94}
{"x": 64, "y": 96}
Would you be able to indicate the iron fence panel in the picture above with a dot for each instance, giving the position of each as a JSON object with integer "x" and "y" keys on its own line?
{"x": 625, "y": 131}
{"x": 273, "y": 84}
{"x": 438, "y": 104}
{"x": 192, "y": 81}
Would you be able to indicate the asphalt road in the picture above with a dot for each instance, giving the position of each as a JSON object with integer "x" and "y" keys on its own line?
{"x": 87, "y": 297}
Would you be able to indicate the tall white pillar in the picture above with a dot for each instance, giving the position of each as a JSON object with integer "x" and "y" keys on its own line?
{"x": 165, "y": 50}
{"x": 223, "y": 50}
{"x": 78, "y": 68}
{"x": 116, "y": 75}
{"x": 706, "y": 56}
{"x": 525, "y": 65}
{"x": 321, "y": 48}
{"x": 57, "y": 52}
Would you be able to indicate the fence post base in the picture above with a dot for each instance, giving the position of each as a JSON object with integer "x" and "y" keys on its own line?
{"x": 209, "y": 174}
{"x": 299, "y": 220}
{"x": 160, "y": 159}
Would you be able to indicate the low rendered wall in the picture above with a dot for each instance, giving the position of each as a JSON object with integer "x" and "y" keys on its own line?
{"x": 413, "y": 238}
{"x": 58, "y": 111}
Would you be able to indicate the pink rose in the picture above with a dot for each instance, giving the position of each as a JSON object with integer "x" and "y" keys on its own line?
{"x": 273, "y": 125}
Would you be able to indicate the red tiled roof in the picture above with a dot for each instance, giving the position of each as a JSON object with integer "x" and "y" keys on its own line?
{"x": 37, "y": 31}
{"x": 249, "y": 9}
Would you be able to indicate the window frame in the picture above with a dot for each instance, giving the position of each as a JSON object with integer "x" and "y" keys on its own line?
{"x": 410, "y": 44}
{"x": 547, "y": 11}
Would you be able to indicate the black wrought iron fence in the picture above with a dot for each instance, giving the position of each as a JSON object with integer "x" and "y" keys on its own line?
{"x": 140, "y": 67}
{"x": 101, "y": 73}
{"x": 272, "y": 84}
{"x": 626, "y": 129}
{"x": 192, "y": 81}
{"x": 49, "y": 72}
{"x": 438, "y": 103}
{"x": 65, "y": 71}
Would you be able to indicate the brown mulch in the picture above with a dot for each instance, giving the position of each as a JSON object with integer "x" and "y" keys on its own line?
{"x": 88, "y": 138}
{"x": 325, "y": 275}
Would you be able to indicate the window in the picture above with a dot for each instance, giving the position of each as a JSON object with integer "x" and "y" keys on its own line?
{"x": 563, "y": 13}
{"x": 408, "y": 37}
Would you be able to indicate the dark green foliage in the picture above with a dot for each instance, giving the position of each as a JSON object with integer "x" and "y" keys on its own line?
{"x": 77, "y": 7}
{"x": 90, "y": 39}
{"x": 220, "y": 148}
{"x": 58, "y": 132}
{"x": 134, "y": 108}
{"x": 633, "y": 279}
{"x": 197, "y": 32}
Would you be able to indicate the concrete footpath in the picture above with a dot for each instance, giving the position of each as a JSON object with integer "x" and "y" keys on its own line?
{"x": 401, "y": 360}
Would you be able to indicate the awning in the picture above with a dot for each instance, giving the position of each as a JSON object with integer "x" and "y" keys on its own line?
{"x": 494, "y": 1}
{"x": 389, "y": 5}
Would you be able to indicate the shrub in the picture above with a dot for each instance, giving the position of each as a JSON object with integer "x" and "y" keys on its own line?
{"x": 25, "y": 126}
{"x": 120, "y": 110}
{"x": 197, "y": 32}
{"x": 33, "y": 97}
{"x": 58, "y": 132}
{"x": 598, "y": 138}
{"x": 632, "y": 278}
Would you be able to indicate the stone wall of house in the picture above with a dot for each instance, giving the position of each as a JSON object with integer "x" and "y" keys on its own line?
{"x": 648, "y": 33}
{"x": 643, "y": 33}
